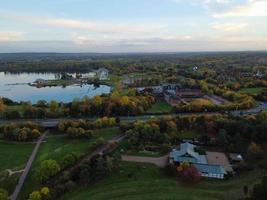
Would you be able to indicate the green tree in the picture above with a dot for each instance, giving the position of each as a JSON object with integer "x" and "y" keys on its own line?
{"x": 47, "y": 169}
{"x": 35, "y": 195}
{"x": 53, "y": 106}
{"x": 45, "y": 193}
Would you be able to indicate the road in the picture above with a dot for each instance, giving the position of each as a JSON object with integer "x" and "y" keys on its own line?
{"x": 51, "y": 123}
{"x": 27, "y": 167}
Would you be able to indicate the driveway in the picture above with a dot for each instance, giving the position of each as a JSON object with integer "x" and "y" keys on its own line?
{"x": 159, "y": 161}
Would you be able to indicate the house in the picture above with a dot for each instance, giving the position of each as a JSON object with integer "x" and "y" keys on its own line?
{"x": 156, "y": 90}
{"x": 170, "y": 87}
{"x": 65, "y": 76}
{"x": 102, "y": 74}
{"x": 91, "y": 75}
{"x": 208, "y": 166}
{"x": 128, "y": 80}
{"x": 172, "y": 99}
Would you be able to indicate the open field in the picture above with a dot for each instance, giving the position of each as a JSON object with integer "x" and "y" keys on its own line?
{"x": 148, "y": 182}
{"x": 252, "y": 91}
{"x": 13, "y": 157}
{"x": 56, "y": 148}
{"x": 160, "y": 107}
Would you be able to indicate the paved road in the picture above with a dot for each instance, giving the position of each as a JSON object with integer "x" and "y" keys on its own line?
{"x": 27, "y": 167}
{"x": 51, "y": 123}
{"x": 159, "y": 161}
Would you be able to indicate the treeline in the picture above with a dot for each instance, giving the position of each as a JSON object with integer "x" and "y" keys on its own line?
{"x": 85, "y": 128}
{"x": 113, "y": 105}
{"x": 228, "y": 132}
{"x": 133, "y": 62}
{"x": 21, "y": 132}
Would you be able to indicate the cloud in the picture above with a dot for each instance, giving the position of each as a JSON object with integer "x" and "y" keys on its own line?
{"x": 108, "y": 27}
{"x": 253, "y": 8}
{"x": 10, "y": 35}
{"x": 230, "y": 27}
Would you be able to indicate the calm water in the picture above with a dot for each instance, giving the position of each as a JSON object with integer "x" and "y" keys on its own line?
{"x": 23, "y": 92}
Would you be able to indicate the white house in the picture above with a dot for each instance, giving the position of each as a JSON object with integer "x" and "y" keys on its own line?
{"x": 102, "y": 74}
{"x": 91, "y": 75}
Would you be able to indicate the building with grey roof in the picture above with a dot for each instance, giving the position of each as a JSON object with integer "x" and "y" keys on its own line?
{"x": 187, "y": 153}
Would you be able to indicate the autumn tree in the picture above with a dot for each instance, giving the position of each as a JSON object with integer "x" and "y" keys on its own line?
{"x": 2, "y": 107}
{"x": 254, "y": 150}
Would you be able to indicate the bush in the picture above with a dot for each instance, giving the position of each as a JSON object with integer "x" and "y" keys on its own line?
{"x": 69, "y": 159}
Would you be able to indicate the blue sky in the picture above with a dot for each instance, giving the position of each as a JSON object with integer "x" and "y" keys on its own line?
{"x": 132, "y": 25}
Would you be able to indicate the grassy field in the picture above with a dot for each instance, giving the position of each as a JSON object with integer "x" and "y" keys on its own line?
{"x": 160, "y": 107}
{"x": 56, "y": 148}
{"x": 13, "y": 157}
{"x": 148, "y": 183}
{"x": 252, "y": 91}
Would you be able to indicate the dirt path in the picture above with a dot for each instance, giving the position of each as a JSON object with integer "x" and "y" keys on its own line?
{"x": 160, "y": 161}
{"x": 11, "y": 173}
{"x": 27, "y": 168}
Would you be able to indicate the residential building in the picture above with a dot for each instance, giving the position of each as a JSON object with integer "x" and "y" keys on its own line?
{"x": 102, "y": 74}
{"x": 212, "y": 164}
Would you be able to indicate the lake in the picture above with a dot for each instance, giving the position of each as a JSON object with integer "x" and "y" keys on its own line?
{"x": 16, "y": 88}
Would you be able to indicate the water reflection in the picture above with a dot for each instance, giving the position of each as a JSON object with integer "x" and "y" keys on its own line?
{"x": 15, "y": 87}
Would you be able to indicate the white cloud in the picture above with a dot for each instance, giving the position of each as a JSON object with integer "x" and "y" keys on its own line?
{"x": 88, "y": 25}
{"x": 254, "y": 8}
{"x": 230, "y": 27}
{"x": 6, "y": 36}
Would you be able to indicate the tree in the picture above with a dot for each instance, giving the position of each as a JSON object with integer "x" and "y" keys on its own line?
{"x": 35, "y": 195}
{"x": 2, "y": 107}
{"x": 254, "y": 150}
{"x": 124, "y": 100}
{"x": 45, "y": 193}
{"x": 53, "y": 106}
{"x": 69, "y": 159}
{"x": 262, "y": 115}
{"x": 97, "y": 100}
{"x": 47, "y": 169}
{"x": 35, "y": 133}
{"x": 222, "y": 137}
{"x": 3, "y": 194}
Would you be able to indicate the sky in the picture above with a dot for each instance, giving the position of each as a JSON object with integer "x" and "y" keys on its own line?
{"x": 132, "y": 25}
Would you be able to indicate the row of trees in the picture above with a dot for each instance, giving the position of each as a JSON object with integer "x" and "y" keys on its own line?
{"x": 21, "y": 132}
{"x": 113, "y": 105}
{"x": 84, "y": 128}
{"x": 83, "y": 173}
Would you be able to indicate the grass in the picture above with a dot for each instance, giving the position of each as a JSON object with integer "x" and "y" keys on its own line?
{"x": 252, "y": 91}
{"x": 144, "y": 153}
{"x": 149, "y": 183}
{"x": 160, "y": 107}
{"x": 14, "y": 157}
{"x": 56, "y": 148}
